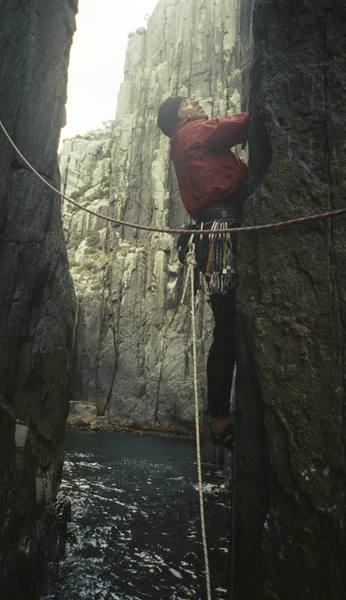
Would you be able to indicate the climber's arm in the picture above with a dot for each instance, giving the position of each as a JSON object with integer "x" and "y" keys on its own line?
{"x": 225, "y": 132}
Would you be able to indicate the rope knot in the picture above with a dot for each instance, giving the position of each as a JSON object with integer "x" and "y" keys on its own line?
{"x": 191, "y": 254}
{"x": 191, "y": 264}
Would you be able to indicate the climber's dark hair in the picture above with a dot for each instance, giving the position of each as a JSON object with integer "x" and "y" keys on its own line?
{"x": 168, "y": 114}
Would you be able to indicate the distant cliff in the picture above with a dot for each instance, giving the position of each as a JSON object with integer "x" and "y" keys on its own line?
{"x": 133, "y": 336}
{"x": 36, "y": 291}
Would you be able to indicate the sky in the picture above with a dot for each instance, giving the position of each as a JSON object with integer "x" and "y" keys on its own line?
{"x": 97, "y": 60}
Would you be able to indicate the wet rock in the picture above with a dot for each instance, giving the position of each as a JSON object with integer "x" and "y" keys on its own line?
{"x": 113, "y": 424}
{"x": 292, "y": 312}
{"x": 21, "y": 434}
{"x": 36, "y": 292}
{"x": 85, "y": 409}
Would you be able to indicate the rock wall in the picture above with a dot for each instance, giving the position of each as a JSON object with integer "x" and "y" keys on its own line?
{"x": 36, "y": 292}
{"x": 133, "y": 336}
{"x": 290, "y": 504}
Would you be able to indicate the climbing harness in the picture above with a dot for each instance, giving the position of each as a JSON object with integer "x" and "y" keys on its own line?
{"x": 217, "y": 260}
{"x": 191, "y": 265}
{"x": 215, "y": 271}
{"x": 233, "y": 230}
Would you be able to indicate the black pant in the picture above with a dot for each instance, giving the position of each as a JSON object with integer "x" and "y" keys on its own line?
{"x": 221, "y": 356}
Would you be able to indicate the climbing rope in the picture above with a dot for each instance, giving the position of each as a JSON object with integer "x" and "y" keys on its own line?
{"x": 267, "y": 226}
{"x": 191, "y": 264}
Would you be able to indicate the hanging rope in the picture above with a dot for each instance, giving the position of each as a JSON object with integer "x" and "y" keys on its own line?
{"x": 278, "y": 225}
{"x": 191, "y": 264}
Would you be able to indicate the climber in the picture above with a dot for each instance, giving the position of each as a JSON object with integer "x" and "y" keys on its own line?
{"x": 213, "y": 186}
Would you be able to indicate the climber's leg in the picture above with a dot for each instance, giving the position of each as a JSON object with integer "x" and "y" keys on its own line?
{"x": 221, "y": 360}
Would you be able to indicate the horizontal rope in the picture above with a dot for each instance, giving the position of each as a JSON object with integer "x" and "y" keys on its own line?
{"x": 245, "y": 229}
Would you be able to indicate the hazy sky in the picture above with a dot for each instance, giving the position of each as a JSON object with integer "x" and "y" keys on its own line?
{"x": 97, "y": 59}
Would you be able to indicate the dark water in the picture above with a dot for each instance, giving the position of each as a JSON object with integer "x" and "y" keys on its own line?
{"x": 135, "y": 531}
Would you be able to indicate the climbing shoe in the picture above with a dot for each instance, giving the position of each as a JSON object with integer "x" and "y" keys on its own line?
{"x": 225, "y": 438}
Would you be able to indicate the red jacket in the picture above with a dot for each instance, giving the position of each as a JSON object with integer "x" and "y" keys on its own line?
{"x": 207, "y": 171}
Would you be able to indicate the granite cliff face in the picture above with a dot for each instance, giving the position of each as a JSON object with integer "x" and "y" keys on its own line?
{"x": 290, "y": 516}
{"x": 36, "y": 292}
{"x": 133, "y": 336}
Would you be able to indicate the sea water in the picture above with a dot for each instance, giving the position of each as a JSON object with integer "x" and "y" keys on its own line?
{"x": 135, "y": 529}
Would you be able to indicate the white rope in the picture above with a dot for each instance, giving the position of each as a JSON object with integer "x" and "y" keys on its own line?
{"x": 191, "y": 260}
{"x": 186, "y": 283}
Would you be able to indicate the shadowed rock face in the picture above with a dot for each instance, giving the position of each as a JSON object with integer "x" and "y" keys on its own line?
{"x": 36, "y": 293}
{"x": 133, "y": 336}
{"x": 292, "y": 313}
